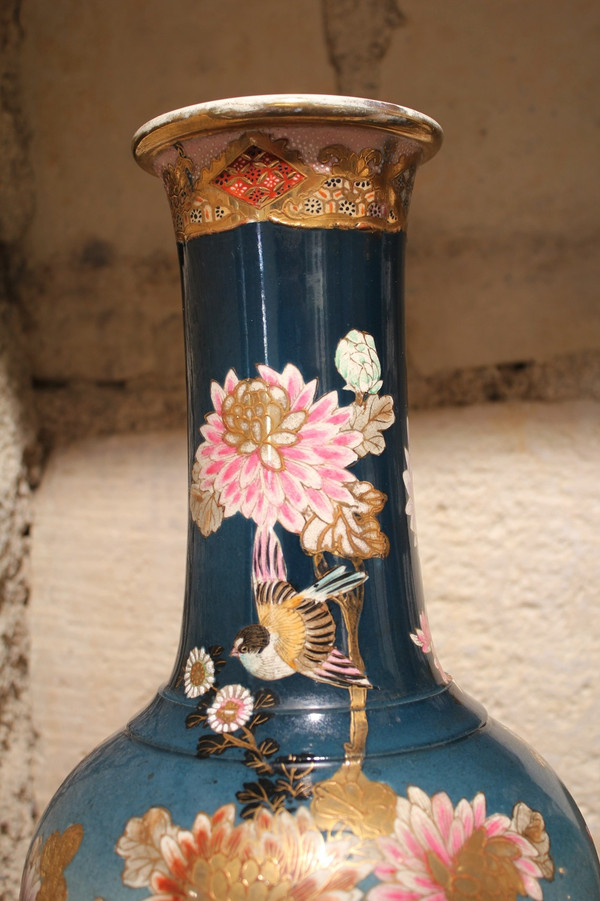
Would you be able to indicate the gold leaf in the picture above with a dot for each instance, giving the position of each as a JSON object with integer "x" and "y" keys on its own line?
{"x": 350, "y": 801}
{"x": 371, "y": 418}
{"x": 530, "y": 824}
{"x": 354, "y": 532}
{"x": 484, "y": 861}
{"x": 344, "y": 161}
{"x": 205, "y": 510}
{"x": 58, "y": 853}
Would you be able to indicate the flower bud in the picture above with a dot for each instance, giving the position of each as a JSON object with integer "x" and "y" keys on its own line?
{"x": 357, "y": 362}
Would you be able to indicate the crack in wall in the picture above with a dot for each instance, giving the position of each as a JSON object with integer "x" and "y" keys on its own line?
{"x": 358, "y": 35}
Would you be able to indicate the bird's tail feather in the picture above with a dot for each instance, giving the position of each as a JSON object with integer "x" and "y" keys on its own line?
{"x": 337, "y": 581}
{"x": 340, "y": 670}
{"x": 268, "y": 564}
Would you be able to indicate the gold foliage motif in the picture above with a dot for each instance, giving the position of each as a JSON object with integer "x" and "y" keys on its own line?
{"x": 257, "y": 178}
{"x": 482, "y": 861}
{"x": 345, "y": 162}
{"x": 530, "y": 824}
{"x": 206, "y": 511}
{"x": 354, "y": 532}
{"x": 43, "y": 877}
{"x": 351, "y": 802}
{"x": 371, "y": 418}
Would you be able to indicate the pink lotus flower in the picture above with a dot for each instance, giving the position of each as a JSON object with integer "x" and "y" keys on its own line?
{"x": 274, "y": 453}
{"x": 438, "y": 853}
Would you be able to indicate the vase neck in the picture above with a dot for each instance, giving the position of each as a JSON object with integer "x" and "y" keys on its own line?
{"x": 299, "y": 460}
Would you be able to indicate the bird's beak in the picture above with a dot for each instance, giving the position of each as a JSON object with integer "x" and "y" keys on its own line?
{"x": 234, "y": 652}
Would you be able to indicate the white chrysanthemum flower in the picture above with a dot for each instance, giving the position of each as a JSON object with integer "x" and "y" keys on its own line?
{"x": 199, "y": 673}
{"x": 231, "y": 709}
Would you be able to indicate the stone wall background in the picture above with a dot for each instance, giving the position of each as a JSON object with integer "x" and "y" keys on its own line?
{"x": 501, "y": 305}
{"x": 18, "y": 470}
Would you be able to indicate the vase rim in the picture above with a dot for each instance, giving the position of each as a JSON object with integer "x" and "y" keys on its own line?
{"x": 214, "y": 116}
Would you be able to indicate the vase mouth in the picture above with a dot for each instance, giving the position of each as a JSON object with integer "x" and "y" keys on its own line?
{"x": 283, "y": 109}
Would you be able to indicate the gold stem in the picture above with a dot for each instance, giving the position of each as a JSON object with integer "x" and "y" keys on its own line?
{"x": 351, "y": 605}
{"x": 351, "y": 611}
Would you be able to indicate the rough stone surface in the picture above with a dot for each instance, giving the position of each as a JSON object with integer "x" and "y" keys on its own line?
{"x": 73, "y": 410}
{"x": 566, "y": 377}
{"x": 508, "y": 502}
{"x": 17, "y": 457}
{"x": 17, "y": 804}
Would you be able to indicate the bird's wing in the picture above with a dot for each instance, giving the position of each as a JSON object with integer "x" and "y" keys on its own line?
{"x": 319, "y": 635}
{"x": 303, "y": 630}
{"x": 286, "y": 627}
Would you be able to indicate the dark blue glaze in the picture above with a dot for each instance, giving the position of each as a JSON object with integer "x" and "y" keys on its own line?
{"x": 285, "y": 295}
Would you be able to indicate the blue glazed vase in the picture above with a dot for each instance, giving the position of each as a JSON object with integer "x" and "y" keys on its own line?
{"x": 309, "y": 744}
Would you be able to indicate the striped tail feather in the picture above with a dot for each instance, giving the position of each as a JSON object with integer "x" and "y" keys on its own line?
{"x": 268, "y": 564}
{"x": 337, "y": 581}
{"x": 339, "y": 670}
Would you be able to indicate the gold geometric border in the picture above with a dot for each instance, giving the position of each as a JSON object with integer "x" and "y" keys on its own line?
{"x": 346, "y": 190}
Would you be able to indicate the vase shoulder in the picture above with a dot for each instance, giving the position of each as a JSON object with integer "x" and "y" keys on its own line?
{"x": 162, "y": 793}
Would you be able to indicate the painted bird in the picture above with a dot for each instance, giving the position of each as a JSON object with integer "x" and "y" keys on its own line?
{"x": 295, "y": 632}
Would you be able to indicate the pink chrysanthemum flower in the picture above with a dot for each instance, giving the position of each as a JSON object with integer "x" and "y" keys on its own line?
{"x": 275, "y": 857}
{"x": 441, "y": 853}
{"x": 273, "y": 452}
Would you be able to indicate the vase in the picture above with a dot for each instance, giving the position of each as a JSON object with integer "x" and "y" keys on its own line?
{"x": 308, "y": 744}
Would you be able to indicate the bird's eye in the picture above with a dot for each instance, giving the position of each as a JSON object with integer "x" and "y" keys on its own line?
{"x": 243, "y": 649}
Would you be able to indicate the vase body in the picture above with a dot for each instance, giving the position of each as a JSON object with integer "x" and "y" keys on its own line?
{"x": 308, "y": 744}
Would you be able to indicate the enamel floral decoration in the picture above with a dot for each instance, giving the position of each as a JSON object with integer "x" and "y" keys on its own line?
{"x": 272, "y": 452}
{"x": 439, "y": 852}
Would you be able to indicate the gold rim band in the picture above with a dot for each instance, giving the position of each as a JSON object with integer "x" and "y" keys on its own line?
{"x": 262, "y": 111}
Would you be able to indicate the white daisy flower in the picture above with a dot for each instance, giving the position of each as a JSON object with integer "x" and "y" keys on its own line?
{"x": 199, "y": 673}
{"x": 231, "y": 709}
